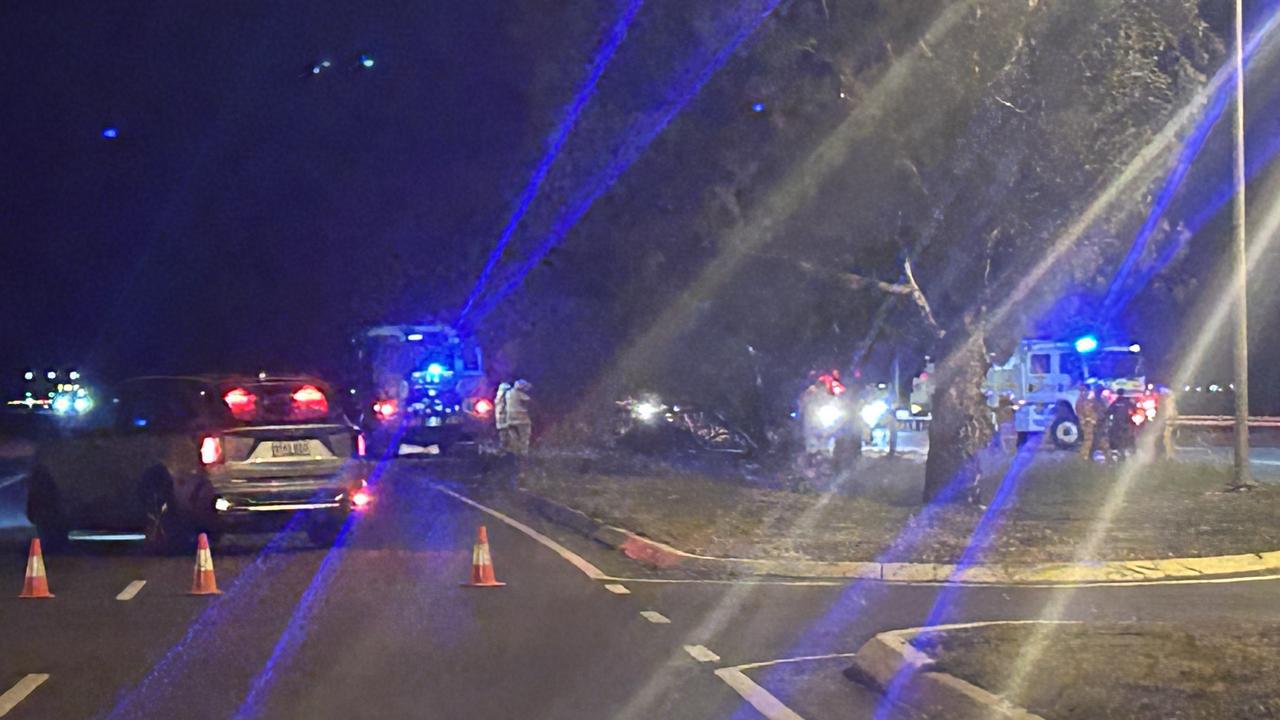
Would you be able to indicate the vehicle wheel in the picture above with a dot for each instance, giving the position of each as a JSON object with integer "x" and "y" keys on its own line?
{"x": 1066, "y": 433}
{"x": 44, "y": 510}
{"x": 166, "y": 531}
{"x": 324, "y": 531}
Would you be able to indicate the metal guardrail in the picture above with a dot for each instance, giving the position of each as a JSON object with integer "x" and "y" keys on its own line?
{"x": 1257, "y": 421}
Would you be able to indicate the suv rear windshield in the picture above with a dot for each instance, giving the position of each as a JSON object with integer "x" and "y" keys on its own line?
{"x": 276, "y": 402}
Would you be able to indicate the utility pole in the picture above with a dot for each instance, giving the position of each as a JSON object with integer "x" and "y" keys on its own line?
{"x": 1240, "y": 285}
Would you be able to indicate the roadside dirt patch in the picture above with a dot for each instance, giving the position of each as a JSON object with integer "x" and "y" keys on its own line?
{"x": 1130, "y": 671}
{"x": 1057, "y": 510}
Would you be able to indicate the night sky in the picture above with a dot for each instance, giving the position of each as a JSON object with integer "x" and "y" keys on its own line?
{"x": 247, "y": 211}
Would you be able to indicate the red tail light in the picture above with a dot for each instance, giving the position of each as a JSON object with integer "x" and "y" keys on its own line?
{"x": 483, "y": 406}
{"x": 242, "y": 403}
{"x": 310, "y": 400}
{"x": 210, "y": 450}
{"x": 361, "y": 447}
{"x": 360, "y": 498}
{"x": 384, "y": 409}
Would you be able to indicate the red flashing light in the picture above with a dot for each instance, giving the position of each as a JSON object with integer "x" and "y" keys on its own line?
{"x": 242, "y": 403}
{"x": 308, "y": 399}
{"x": 385, "y": 409}
{"x": 483, "y": 406}
{"x": 210, "y": 450}
{"x": 361, "y": 447}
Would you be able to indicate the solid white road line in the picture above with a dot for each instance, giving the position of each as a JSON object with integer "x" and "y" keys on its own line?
{"x": 577, "y": 561}
{"x": 701, "y": 653}
{"x": 16, "y": 694}
{"x": 617, "y": 589}
{"x": 131, "y": 589}
{"x": 759, "y": 698}
{"x": 656, "y": 618}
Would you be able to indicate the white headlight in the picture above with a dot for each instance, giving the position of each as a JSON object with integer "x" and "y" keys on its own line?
{"x": 872, "y": 411}
{"x": 645, "y": 411}
{"x": 830, "y": 414}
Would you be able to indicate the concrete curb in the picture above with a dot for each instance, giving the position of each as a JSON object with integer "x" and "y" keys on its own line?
{"x": 882, "y": 659}
{"x": 657, "y": 554}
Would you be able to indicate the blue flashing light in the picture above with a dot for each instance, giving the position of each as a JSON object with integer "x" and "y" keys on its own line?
{"x": 1135, "y": 348}
{"x": 110, "y": 132}
{"x": 414, "y": 337}
{"x": 758, "y": 107}
{"x": 435, "y": 369}
{"x": 1086, "y": 344}
{"x": 366, "y": 61}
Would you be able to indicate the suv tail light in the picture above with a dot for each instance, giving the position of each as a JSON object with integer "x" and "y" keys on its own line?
{"x": 482, "y": 407}
{"x": 242, "y": 403}
{"x": 210, "y": 450}
{"x": 361, "y": 447}
{"x": 309, "y": 400}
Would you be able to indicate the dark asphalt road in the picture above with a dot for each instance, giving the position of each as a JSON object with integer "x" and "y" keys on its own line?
{"x": 380, "y": 627}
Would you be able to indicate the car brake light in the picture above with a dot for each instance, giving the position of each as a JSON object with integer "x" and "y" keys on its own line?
{"x": 361, "y": 447}
{"x": 384, "y": 409}
{"x": 242, "y": 403}
{"x": 310, "y": 399}
{"x": 210, "y": 450}
{"x": 483, "y": 406}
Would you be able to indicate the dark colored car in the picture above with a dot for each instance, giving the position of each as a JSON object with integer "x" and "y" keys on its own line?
{"x": 171, "y": 456}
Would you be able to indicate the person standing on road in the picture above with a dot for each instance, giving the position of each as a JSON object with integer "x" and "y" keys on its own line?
{"x": 501, "y": 418}
{"x": 1087, "y": 412}
{"x": 519, "y": 424}
{"x": 1120, "y": 427}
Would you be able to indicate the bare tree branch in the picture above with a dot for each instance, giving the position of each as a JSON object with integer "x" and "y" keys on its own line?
{"x": 921, "y": 301}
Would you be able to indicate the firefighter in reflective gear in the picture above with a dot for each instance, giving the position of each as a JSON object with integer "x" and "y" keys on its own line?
{"x": 519, "y": 424}
{"x": 501, "y": 418}
{"x": 1087, "y": 412}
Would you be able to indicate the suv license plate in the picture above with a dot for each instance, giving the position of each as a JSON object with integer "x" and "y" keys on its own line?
{"x": 290, "y": 448}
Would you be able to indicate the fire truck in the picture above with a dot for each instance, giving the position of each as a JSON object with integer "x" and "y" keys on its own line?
{"x": 1041, "y": 380}
{"x": 421, "y": 388}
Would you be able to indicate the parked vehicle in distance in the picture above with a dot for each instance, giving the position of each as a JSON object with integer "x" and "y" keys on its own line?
{"x": 171, "y": 456}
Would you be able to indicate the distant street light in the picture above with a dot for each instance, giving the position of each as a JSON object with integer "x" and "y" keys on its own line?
{"x": 1242, "y": 477}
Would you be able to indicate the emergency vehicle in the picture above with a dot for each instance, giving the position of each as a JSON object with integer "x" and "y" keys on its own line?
{"x": 421, "y": 387}
{"x": 1041, "y": 380}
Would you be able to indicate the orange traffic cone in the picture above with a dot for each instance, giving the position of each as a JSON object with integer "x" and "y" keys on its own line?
{"x": 203, "y": 582}
{"x": 36, "y": 583}
{"x": 482, "y": 564}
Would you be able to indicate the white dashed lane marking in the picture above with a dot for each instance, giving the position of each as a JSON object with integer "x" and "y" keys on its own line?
{"x": 617, "y": 589}
{"x": 16, "y": 694}
{"x": 131, "y": 590}
{"x": 700, "y": 653}
{"x": 760, "y": 699}
{"x": 656, "y": 618}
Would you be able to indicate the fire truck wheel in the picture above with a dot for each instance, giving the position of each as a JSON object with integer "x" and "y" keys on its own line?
{"x": 1066, "y": 433}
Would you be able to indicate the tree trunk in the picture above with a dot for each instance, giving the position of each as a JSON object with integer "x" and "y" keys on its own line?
{"x": 961, "y": 425}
